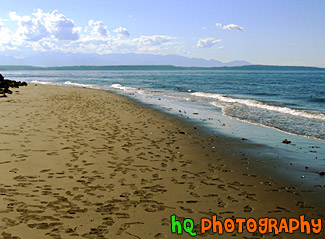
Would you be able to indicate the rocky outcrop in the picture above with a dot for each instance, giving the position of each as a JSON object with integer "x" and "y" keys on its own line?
{"x": 5, "y": 84}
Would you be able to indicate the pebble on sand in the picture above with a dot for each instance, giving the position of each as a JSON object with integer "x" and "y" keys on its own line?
{"x": 286, "y": 141}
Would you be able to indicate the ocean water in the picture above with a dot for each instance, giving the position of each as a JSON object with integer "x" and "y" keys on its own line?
{"x": 292, "y": 101}
{"x": 265, "y": 107}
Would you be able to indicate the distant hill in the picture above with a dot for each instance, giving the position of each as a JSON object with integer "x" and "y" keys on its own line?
{"x": 47, "y": 59}
{"x": 161, "y": 68}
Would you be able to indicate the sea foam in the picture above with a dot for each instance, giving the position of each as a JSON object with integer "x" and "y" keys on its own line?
{"x": 261, "y": 105}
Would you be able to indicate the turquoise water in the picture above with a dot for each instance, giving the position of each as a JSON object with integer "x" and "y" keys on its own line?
{"x": 265, "y": 107}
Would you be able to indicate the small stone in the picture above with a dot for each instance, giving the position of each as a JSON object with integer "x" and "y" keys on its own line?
{"x": 286, "y": 141}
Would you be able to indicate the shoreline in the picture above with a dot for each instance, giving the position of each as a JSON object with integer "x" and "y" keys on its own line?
{"x": 92, "y": 154}
{"x": 285, "y": 163}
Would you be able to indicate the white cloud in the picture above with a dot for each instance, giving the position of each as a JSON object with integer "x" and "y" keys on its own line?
{"x": 152, "y": 40}
{"x": 28, "y": 28}
{"x": 98, "y": 28}
{"x": 230, "y": 27}
{"x": 53, "y": 31}
{"x": 207, "y": 42}
{"x": 111, "y": 44}
{"x": 42, "y": 25}
{"x": 233, "y": 27}
{"x": 122, "y": 31}
{"x": 141, "y": 44}
{"x": 61, "y": 27}
{"x": 6, "y": 38}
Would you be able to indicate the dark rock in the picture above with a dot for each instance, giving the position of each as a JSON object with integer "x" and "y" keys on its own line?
{"x": 321, "y": 173}
{"x": 5, "y": 84}
{"x": 320, "y": 185}
{"x": 181, "y": 132}
{"x": 243, "y": 139}
{"x": 286, "y": 141}
{"x": 6, "y": 90}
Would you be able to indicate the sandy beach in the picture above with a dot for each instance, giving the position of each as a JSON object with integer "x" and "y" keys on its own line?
{"x": 83, "y": 163}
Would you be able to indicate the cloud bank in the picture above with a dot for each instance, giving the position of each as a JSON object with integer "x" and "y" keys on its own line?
{"x": 46, "y": 31}
{"x": 41, "y": 25}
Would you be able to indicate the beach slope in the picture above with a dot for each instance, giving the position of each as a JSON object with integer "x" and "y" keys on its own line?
{"x": 83, "y": 163}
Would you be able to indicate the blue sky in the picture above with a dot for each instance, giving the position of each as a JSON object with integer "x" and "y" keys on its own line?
{"x": 287, "y": 32}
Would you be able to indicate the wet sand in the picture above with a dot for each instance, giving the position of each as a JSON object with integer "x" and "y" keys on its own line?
{"x": 82, "y": 163}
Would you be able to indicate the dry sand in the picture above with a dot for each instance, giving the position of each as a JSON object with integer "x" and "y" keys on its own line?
{"x": 82, "y": 163}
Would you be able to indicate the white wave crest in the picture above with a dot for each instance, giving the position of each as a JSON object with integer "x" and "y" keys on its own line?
{"x": 80, "y": 85}
{"x": 127, "y": 88}
{"x": 42, "y": 82}
{"x": 261, "y": 105}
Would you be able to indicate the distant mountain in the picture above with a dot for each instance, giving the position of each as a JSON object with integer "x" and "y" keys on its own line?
{"x": 159, "y": 68}
{"x": 47, "y": 59}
